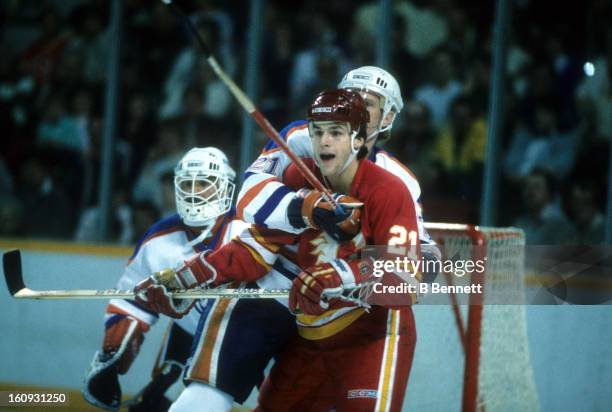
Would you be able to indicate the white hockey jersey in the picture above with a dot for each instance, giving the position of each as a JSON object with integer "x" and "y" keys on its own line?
{"x": 166, "y": 245}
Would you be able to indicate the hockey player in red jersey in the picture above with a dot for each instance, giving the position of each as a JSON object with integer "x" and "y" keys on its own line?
{"x": 346, "y": 356}
{"x": 264, "y": 196}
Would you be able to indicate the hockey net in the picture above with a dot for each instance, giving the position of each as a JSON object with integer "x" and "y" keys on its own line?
{"x": 480, "y": 350}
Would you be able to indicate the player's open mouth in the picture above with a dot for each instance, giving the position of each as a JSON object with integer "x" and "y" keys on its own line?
{"x": 326, "y": 156}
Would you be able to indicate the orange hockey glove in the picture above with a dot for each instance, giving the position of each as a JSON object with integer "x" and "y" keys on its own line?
{"x": 309, "y": 208}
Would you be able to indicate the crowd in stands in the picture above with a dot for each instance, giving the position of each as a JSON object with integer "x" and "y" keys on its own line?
{"x": 557, "y": 107}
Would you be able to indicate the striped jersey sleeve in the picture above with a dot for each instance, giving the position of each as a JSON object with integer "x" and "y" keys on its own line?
{"x": 263, "y": 198}
{"x": 251, "y": 255}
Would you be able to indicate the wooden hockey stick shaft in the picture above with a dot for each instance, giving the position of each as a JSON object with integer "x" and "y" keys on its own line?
{"x": 250, "y": 107}
{"x": 11, "y": 263}
{"x": 27, "y": 293}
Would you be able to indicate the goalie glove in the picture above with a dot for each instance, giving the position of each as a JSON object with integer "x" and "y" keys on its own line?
{"x": 315, "y": 288}
{"x": 122, "y": 341}
{"x": 153, "y": 292}
{"x": 309, "y": 208}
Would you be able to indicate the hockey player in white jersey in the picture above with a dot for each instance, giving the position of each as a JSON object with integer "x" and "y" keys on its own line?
{"x": 205, "y": 220}
{"x": 264, "y": 199}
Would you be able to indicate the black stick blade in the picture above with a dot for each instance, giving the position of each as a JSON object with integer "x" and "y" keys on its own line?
{"x": 11, "y": 263}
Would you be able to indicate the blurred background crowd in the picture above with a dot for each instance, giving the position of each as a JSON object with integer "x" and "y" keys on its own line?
{"x": 53, "y": 68}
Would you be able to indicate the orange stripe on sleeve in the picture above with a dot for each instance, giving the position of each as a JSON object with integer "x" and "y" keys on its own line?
{"x": 250, "y": 195}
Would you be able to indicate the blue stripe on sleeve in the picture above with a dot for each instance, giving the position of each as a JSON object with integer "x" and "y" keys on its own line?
{"x": 268, "y": 207}
{"x": 283, "y": 133}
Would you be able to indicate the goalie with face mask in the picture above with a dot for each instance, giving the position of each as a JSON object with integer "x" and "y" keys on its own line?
{"x": 205, "y": 220}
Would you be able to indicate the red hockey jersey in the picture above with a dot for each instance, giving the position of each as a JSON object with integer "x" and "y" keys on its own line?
{"x": 388, "y": 220}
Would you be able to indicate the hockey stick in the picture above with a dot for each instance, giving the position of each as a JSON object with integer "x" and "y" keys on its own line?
{"x": 11, "y": 263}
{"x": 250, "y": 108}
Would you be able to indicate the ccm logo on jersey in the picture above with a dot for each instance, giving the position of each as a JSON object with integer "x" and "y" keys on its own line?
{"x": 322, "y": 110}
{"x": 264, "y": 165}
{"x": 361, "y": 393}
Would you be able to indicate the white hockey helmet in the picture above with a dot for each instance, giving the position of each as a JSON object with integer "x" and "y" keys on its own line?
{"x": 204, "y": 186}
{"x": 376, "y": 80}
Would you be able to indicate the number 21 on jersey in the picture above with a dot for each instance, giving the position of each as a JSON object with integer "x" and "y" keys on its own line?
{"x": 402, "y": 242}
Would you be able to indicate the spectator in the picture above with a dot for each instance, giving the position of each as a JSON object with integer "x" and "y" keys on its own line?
{"x": 127, "y": 222}
{"x": 426, "y": 23}
{"x": 120, "y": 225}
{"x": 138, "y": 129}
{"x": 477, "y": 82}
{"x": 18, "y": 113}
{"x": 277, "y": 53}
{"x": 542, "y": 220}
{"x": 190, "y": 70}
{"x": 91, "y": 44}
{"x": 161, "y": 159}
{"x": 414, "y": 141}
{"x": 585, "y": 213}
{"x": 540, "y": 92}
{"x": 42, "y": 57}
{"x": 458, "y": 155}
{"x": 326, "y": 76}
{"x": 321, "y": 53}
{"x": 57, "y": 129}
{"x": 153, "y": 38}
{"x": 441, "y": 89}
{"x": 406, "y": 66}
{"x": 543, "y": 147}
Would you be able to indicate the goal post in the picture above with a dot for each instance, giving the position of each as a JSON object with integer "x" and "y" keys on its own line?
{"x": 497, "y": 372}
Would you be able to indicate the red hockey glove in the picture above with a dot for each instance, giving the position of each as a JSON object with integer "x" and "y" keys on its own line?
{"x": 308, "y": 290}
{"x": 125, "y": 337}
{"x": 153, "y": 294}
{"x": 310, "y": 208}
{"x": 122, "y": 341}
{"x": 158, "y": 299}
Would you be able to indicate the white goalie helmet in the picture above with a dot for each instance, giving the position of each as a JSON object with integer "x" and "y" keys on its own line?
{"x": 376, "y": 80}
{"x": 204, "y": 186}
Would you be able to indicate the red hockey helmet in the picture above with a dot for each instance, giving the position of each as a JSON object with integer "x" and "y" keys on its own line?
{"x": 340, "y": 105}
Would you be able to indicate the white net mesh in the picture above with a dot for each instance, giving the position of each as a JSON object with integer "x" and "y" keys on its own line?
{"x": 505, "y": 375}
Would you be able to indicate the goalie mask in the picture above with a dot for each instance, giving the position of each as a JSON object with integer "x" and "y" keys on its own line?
{"x": 380, "y": 82}
{"x": 204, "y": 187}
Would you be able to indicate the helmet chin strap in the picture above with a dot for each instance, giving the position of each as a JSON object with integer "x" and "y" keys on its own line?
{"x": 352, "y": 155}
{"x": 380, "y": 129}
